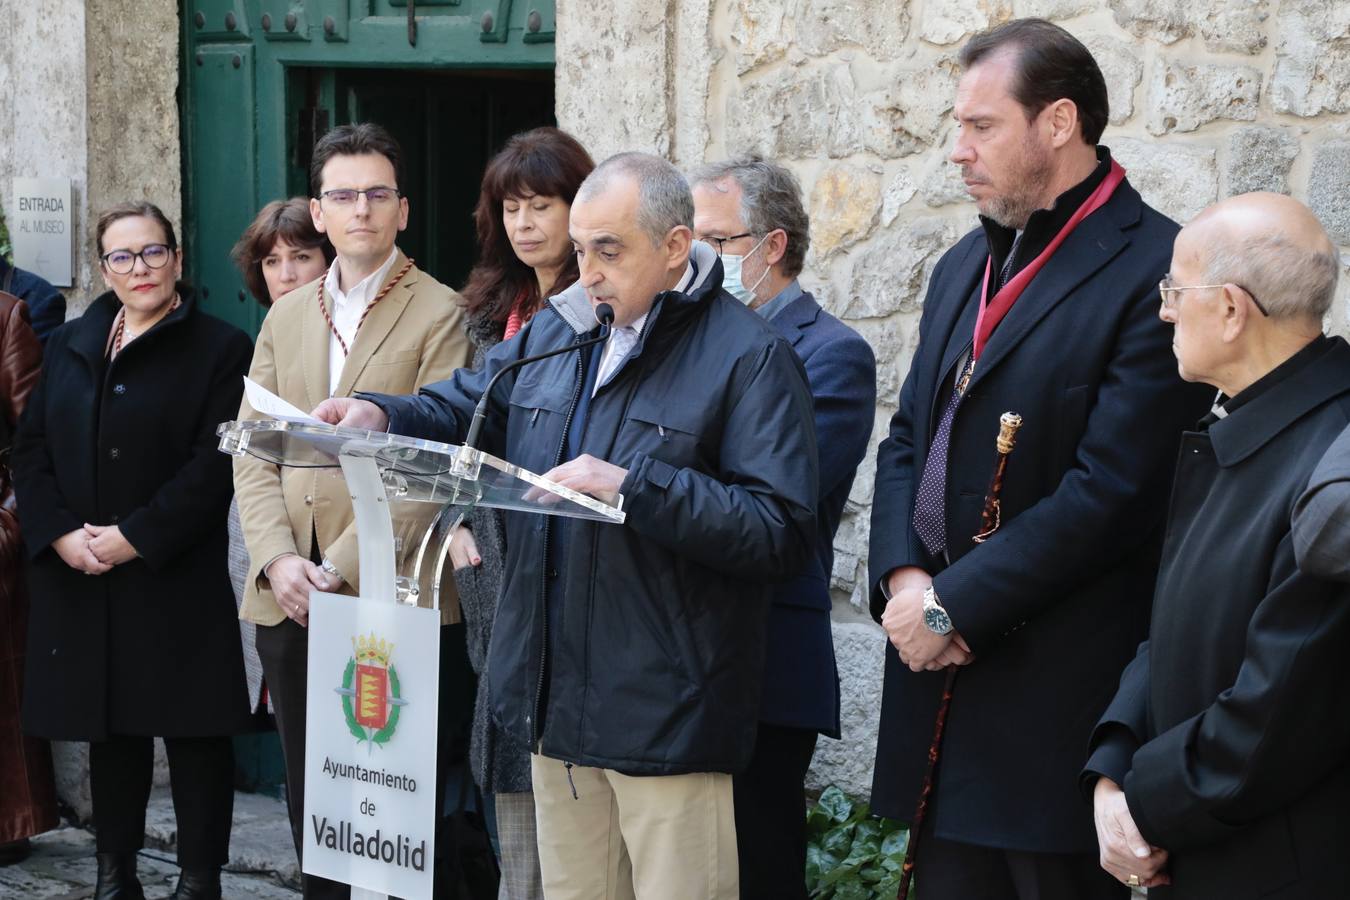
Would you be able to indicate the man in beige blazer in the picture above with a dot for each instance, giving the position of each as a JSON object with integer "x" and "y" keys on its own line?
{"x": 374, "y": 322}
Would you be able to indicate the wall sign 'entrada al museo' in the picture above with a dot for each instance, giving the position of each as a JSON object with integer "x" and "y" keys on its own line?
{"x": 41, "y": 230}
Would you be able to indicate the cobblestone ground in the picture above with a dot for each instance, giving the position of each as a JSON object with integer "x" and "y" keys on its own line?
{"x": 262, "y": 860}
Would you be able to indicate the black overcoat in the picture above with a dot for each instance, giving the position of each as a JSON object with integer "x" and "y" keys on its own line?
{"x": 1234, "y": 716}
{"x": 1056, "y": 602}
{"x": 151, "y": 647}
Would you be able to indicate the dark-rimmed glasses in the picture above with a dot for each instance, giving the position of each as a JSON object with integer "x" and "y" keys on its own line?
{"x": 121, "y": 262}
{"x": 720, "y": 241}
{"x": 1169, "y": 291}
{"x": 376, "y": 196}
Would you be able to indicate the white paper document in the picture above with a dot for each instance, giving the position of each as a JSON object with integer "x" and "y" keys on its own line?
{"x": 269, "y": 404}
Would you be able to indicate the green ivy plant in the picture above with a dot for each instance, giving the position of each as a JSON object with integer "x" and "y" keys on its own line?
{"x": 5, "y": 249}
{"x": 851, "y": 854}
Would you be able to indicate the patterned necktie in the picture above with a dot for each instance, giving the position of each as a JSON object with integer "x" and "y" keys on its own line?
{"x": 621, "y": 341}
{"x": 930, "y": 503}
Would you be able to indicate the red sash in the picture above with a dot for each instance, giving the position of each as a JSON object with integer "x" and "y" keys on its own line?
{"x": 992, "y": 312}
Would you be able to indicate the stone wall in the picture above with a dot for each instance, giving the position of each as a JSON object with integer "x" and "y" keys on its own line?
{"x": 89, "y": 94}
{"x": 1209, "y": 98}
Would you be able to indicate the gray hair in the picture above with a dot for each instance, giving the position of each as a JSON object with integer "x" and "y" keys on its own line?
{"x": 771, "y": 198}
{"x": 664, "y": 200}
{"x": 1288, "y": 280}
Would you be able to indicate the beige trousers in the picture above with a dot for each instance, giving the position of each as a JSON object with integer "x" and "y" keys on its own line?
{"x": 659, "y": 837}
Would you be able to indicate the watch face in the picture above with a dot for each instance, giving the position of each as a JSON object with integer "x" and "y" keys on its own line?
{"x": 937, "y": 620}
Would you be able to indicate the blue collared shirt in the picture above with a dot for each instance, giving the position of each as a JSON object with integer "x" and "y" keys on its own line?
{"x": 780, "y": 301}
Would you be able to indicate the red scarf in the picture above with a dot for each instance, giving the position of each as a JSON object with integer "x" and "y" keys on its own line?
{"x": 993, "y": 311}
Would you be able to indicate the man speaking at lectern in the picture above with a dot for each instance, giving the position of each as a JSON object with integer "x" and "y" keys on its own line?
{"x": 630, "y": 656}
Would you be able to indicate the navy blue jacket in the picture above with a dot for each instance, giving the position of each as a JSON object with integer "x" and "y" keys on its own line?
{"x": 658, "y": 665}
{"x": 46, "y": 305}
{"x": 801, "y": 683}
{"x": 1055, "y": 603}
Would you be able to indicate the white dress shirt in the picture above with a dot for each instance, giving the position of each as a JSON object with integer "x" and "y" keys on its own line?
{"x": 346, "y": 310}
{"x": 622, "y": 340}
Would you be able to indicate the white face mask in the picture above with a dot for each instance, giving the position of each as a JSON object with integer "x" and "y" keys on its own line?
{"x": 731, "y": 275}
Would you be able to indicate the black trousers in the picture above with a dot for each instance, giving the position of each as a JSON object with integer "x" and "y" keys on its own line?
{"x": 950, "y": 870}
{"x": 201, "y": 776}
{"x": 771, "y": 814}
{"x": 284, "y": 652}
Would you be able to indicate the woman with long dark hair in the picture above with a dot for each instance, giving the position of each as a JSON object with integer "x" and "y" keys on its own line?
{"x": 525, "y": 256}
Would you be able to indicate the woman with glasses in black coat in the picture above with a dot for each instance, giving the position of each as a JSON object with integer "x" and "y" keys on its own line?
{"x": 123, "y": 498}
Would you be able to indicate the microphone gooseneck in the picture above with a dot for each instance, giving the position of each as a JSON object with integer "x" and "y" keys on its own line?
{"x": 604, "y": 314}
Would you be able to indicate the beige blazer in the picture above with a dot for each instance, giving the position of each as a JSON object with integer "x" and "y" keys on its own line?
{"x": 410, "y": 338}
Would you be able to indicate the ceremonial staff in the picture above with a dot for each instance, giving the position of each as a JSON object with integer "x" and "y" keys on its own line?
{"x": 990, "y": 519}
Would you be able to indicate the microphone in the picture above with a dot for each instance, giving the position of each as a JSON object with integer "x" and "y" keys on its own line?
{"x": 604, "y": 314}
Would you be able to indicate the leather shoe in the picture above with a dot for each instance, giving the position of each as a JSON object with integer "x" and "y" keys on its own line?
{"x": 117, "y": 877}
{"x": 198, "y": 884}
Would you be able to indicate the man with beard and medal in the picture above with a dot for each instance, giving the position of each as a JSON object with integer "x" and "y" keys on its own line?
{"x": 1049, "y": 309}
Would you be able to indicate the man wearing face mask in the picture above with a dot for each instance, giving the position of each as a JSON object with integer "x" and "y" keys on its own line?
{"x": 751, "y": 212}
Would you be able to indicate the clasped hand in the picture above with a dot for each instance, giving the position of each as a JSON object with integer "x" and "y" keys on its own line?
{"x": 94, "y": 549}
{"x": 291, "y": 578}
{"x": 919, "y": 646}
{"x": 1123, "y": 851}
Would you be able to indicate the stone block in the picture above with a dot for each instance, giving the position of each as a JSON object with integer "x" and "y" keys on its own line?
{"x": 951, "y": 20}
{"x": 891, "y": 273}
{"x": 1177, "y": 179}
{"x": 899, "y": 191}
{"x": 1182, "y": 98}
{"x": 941, "y": 183}
{"x": 796, "y": 113}
{"x": 1329, "y": 189}
{"x": 696, "y": 57}
{"x": 1052, "y": 9}
{"x": 911, "y": 115}
{"x": 1312, "y": 58}
{"x": 761, "y": 32}
{"x": 1259, "y": 159}
{"x": 1122, "y": 69}
{"x": 891, "y": 341}
{"x": 851, "y": 540}
{"x": 1235, "y": 26}
{"x": 844, "y": 204}
{"x": 604, "y": 44}
{"x": 877, "y": 26}
{"x": 1166, "y": 21}
{"x": 847, "y": 763}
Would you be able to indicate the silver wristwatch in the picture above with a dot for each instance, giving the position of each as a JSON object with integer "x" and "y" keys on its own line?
{"x": 934, "y": 616}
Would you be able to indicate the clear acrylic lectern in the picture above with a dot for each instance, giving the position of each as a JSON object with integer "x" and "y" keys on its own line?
{"x": 402, "y": 556}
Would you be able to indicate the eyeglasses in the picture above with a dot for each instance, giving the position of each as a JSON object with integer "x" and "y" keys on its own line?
{"x": 376, "y": 196}
{"x": 1169, "y": 291}
{"x": 121, "y": 262}
{"x": 720, "y": 241}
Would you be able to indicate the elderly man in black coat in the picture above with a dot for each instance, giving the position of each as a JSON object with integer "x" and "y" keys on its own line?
{"x": 1043, "y": 616}
{"x": 1222, "y": 767}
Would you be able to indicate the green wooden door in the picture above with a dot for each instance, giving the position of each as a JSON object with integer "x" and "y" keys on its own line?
{"x": 263, "y": 79}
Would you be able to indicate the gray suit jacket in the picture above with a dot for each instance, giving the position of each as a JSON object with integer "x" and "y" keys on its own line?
{"x": 1321, "y": 521}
